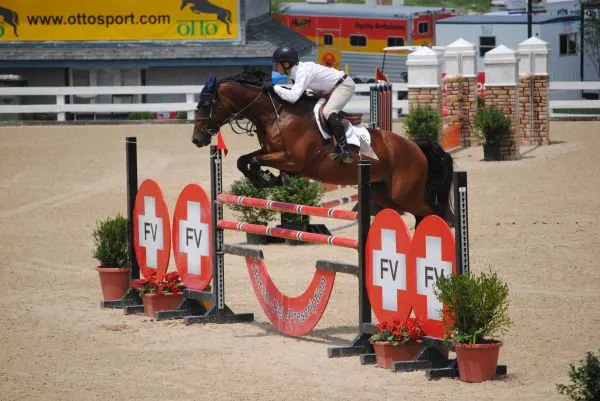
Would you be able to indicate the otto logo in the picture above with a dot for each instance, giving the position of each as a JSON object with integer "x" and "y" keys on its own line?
{"x": 10, "y": 18}
{"x": 202, "y": 27}
{"x": 197, "y": 28}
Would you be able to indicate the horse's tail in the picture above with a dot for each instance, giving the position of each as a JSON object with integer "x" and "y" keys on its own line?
{"x": 439, "y": 179}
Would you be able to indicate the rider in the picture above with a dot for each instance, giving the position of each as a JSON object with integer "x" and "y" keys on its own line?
{"x": 320, "y": 79}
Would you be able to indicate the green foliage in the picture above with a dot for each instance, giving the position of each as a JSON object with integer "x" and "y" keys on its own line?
{"x": 585, "y": 380}
{"x": 181, "y": 115}
{"x": 111, "y": 242}
{"x": 301, "y": 191}
{"x": 478, "y": 306}
{"x": 243, "y": 187}
{"x": 141, "y": 116}
{"x": 277, "y": 7}
{"x": 591, "y": 34}
{"x": 480, "y": 102}
{"x": 491, "y": 124}
{"x": 423, "y": 123}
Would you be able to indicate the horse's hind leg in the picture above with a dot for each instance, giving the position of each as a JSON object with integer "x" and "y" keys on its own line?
{"x": 380, "y": 198}
{"x": 222, "y": 16}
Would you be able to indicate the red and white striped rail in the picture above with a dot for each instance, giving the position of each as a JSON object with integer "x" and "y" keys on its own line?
{"x": 288, "y": 234}
{"x": 287, "y": 207}
{"x": 340, "y": 201}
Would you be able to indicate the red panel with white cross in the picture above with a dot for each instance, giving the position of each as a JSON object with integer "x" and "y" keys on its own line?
{"x": 388, "y": 244}
{"x": 400, "y": 273}
{"x": 432, "y": 255}
{"x": 191, "y": 237}
{"x": 151, "y": 229}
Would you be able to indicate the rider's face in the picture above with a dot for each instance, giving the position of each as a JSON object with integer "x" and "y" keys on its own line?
{"x": 279, "y": 68}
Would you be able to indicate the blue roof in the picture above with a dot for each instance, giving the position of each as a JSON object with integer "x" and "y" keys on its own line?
{"x": 506, "y": 19}
{"x": 355, "y": 10}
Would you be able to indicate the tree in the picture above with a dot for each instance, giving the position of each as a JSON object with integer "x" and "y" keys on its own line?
{"x": 591, "y": 33}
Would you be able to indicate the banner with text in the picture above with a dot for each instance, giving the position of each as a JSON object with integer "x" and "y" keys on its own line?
{"x": 114, "y": 20}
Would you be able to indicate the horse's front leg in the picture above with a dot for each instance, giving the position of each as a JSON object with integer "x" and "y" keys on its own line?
{"x": 251, "y": 169}
{"x": 281, "y": 161}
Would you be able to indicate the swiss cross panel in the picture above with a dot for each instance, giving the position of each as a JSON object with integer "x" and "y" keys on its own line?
{"x": 191, "y": 237}
{"x": 400, "y": 273}
{"x": 151, "y": 229}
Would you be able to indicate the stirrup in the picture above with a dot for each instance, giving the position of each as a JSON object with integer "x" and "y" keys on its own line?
{"x": 342, "y": 154}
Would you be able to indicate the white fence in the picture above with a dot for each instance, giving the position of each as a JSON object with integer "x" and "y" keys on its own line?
{"x": 359, "y": 103}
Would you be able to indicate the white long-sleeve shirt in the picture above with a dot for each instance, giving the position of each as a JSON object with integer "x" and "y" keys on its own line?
{"x": 309, "y": 75}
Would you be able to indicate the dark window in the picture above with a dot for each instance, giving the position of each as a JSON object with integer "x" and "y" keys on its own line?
{"x": 486, "y": 43}
{"x": 395, "y": 41}
{"x": 328, "y": 39}
{"x": 358, "y": 40}
{"x": 568, "y": 43}
{"x": 423, "y": 27}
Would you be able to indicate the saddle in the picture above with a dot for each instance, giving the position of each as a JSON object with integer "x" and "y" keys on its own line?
{"x": 353, "y": 118}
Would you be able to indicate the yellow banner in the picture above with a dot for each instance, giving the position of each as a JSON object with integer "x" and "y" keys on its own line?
{"x": 119, "y": 20}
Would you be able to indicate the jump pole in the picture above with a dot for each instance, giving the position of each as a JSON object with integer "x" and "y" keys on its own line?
{"x": 360, "y": 344}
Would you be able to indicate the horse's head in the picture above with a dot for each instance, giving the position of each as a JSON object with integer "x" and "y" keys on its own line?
{"x": 218, "y": 107}
{"x": 210, "y": 116}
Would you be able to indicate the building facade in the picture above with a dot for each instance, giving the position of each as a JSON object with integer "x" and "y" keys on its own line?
{"x": 137, "y": 42}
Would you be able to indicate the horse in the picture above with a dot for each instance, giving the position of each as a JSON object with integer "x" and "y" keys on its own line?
{"x": 11, "y": 18}
{"x": 204, "y": 6}
{"x": 413, "y": 176}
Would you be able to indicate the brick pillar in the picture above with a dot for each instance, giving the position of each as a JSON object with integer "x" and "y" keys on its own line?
{"x": 502, "y": 91}
{"x": 461, "y": 89}
{"x": 424, "y": 79}
{"x": 424, "y": 97}
{"x": 534, "y": 89}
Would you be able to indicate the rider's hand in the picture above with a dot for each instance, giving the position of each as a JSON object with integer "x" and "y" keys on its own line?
{"x": 268, "y": 86}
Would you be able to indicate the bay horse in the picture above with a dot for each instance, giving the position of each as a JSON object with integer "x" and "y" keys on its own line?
{"x": 409, "y": 176}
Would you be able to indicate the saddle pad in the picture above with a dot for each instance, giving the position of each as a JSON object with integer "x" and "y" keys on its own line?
{"x": 353, "y": 132}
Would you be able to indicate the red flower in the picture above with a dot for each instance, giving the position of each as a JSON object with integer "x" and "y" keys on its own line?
{"x": 169, "y": 282}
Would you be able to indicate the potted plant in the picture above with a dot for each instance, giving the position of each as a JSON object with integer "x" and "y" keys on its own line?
{"x": 423, "y": 123}
{"x": 111, "y": 249}
{"x": 492, "y": 126}
{"x": 397, "y": 341}
{"x": 159, "y": 294}
{"x": 585, "y": 380}
{"x": 300, "y": 191}
{"x": 475, "y": 310}
{"x": 243, "y": 187}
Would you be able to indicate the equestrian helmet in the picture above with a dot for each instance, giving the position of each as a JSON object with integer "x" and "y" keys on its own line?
{"x": 285, "y": 53}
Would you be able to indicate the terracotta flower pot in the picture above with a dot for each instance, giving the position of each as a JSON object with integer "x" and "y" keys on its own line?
{"x": 114, "y": 282}
{"x": 477, "y": 362}
{"x": 154, "y": 303}
{"x": 386, "y": 353}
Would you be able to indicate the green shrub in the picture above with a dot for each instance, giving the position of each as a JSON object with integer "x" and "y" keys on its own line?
{"x": 478, "y": 304}
{"x": 423, "y": 123}
{"x": 480, "y": 102}
{"x": 181, "y": 115}
{"x": 301, "y": 191}
{"x": 111, "y": 242}
{"x": 243, "y": 187}
{"x": 491, "y": 124}
{"x": 585, "y": 379}
{"x": 146, "y": 115}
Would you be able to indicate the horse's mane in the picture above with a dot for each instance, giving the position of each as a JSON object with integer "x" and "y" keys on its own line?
{"x": 254, "y": 78}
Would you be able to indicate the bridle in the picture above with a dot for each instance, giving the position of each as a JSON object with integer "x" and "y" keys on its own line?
{"x": 208, "y": 100}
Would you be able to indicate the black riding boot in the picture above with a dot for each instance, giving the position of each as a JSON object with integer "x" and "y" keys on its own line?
{"x": 340, "y": 137}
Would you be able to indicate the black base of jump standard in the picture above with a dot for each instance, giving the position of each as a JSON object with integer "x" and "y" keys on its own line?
{"x": 129, "y": 300}
{"x": 432, "y": 359}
